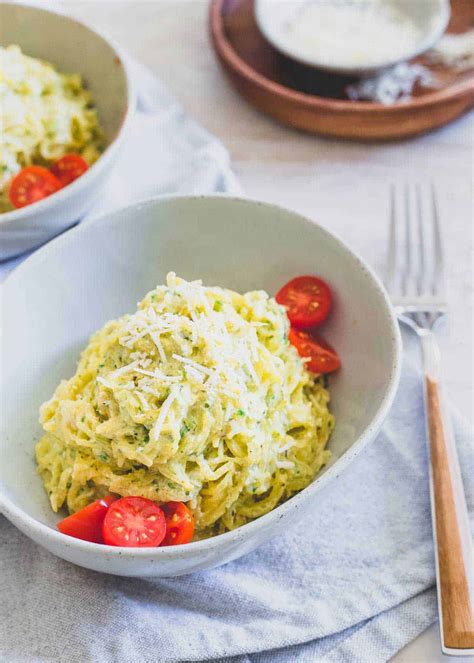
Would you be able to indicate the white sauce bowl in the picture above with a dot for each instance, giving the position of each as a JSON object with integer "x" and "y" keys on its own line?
{"x": 430, "y": 18}
{"x": 71, "y": 47}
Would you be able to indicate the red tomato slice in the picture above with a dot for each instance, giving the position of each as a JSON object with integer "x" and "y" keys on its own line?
{"x": 307, "y": 300}
{"x": 323, "y": 358}
{"x": 69, "y": 167}
{"x": 179, "y": 524}
{"x": 33, "y": 183}
{"x": 134, "y": 522}
{"x": 87, "y": 523}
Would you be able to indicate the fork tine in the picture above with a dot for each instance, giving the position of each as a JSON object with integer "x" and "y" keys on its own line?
{"x": 421, "y": 242}
{"x": 437, "y": 286}
{"x": 392, "y": 243}
{"x": 407, "y": 272}
{"x": 414, "y": 271}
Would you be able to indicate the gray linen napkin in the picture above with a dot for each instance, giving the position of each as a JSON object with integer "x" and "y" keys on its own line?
{"x": 353, "y": 584}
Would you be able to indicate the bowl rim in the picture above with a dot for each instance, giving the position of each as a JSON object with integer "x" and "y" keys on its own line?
{"x": 42, "y": 531}
{"x": 111, "y": 148}
{"x": 440, "y": 17}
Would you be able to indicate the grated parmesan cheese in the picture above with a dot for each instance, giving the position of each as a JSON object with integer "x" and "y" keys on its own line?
{"x": 392, "y": 85}
{"x": 398, "y": 83}
{"x": 454, "y": 51}
{"x": 165, "y": 408}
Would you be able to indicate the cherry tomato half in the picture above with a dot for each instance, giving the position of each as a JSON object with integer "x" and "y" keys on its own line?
{"x": 69, "y": 167}
{"x": 179, "y": 524}
{"x": 323, "y": 358}
{"x": 307, "y": 300}
{"x": 134, "y": 522}
{"x": 33, "y": 183}
{"x": 87, "y": 523}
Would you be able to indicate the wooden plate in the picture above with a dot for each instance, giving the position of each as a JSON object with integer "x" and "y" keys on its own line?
{"x": 314, "y": 101}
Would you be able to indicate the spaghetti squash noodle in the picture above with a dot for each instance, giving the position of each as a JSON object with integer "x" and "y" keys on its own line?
{"x": 197, "y": 397}
{"x": 43, "y": 115}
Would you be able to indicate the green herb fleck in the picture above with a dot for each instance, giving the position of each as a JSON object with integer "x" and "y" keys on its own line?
{"x": 218, "y": 305}
{"x": 103, "y": 457}
{"x": 207, "y": 405}
{"x": 240, "y": 412}
{"x": 171, "y": 485}
{"x": 83, "y": 419}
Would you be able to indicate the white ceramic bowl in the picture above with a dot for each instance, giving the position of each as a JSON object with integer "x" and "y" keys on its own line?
{"x": 430, "y": 16}
{"x": 75, "y": 48}
{"x": 99, "y": 270}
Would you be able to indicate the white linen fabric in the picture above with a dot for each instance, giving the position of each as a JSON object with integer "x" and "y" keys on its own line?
{"x": 353, "y": 584}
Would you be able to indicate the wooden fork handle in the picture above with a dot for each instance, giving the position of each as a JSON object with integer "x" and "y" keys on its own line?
{"x": 451, "y": 529}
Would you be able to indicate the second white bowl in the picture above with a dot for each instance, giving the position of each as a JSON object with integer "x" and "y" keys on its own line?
{"x": 72, "y": 47}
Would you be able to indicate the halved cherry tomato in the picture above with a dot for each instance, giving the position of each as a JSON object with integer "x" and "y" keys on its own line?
{"x": 323, "y": 358}
{"x": 307, "y": 300}
{"x": 179, "y": 524}
{"x": 87, "y": 523}
{"x": 33, "y": 183}
{"x": 69, "y": 167}
{"x": 134, "y": 522}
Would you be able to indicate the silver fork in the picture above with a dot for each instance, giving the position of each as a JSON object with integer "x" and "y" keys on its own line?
{"x": 415, "y": 280}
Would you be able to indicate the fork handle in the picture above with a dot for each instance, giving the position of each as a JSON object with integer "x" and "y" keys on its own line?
{"x": 451, "y": 529}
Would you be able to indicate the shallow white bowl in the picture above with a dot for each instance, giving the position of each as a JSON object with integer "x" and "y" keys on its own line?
{"x": 99, "y": 270}
{"x": 73, "y": 48}
{"x": 430, "y": 16}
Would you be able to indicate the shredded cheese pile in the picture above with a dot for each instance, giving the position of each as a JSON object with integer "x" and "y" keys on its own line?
{"x": 455, "y": 51}
{"x": 392, "y": 85}
{"x": 43, "y": 115}
{"x": 396, "y": 84}
{"x": 197, "y": 397}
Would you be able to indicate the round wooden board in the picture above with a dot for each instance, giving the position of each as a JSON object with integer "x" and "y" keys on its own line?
{"x": 314, "y": 101}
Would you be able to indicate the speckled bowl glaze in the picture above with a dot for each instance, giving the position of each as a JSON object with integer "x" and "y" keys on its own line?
{"x": 99, "y": 270}
{"x": 74, "y": 48}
